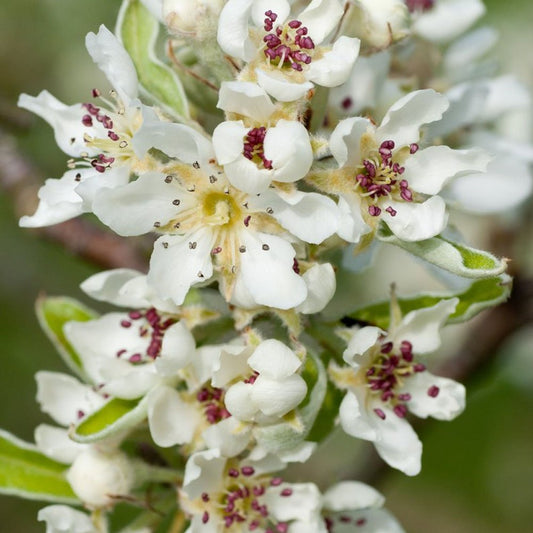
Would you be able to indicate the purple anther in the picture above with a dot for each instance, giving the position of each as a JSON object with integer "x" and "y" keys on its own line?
{"x": 433, "y": 391}
{"x": 380, "y": 413}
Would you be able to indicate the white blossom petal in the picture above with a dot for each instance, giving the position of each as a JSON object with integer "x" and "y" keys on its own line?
{"x": 275, "y": 397}
{"x": 321, "y": 285}
{"x": 238, "y": 401}
{"x": 246, "y": 176}
{"x": 321, "y": 17}
{"x": 280, "y": 7}
{"x": 275, "y": 84}
{"x": 351, "y": 223}
{"x": 274, "y": 359}
{"x": 245, "y": 98}
{"x": 362, "y": 340}
{"x": 177, "y": 350}
{"x": 229, "y": 436}
{"x": 352, "y": 495}
{"x": 232, "y": 362}
{"x": 345, "y": 141}
{"x": 233, "y": 29}
{"x": 228, "y": 140}
{"x": 64, "y": 519}
{"x": 55, "y": 443}
{"x": 303, "y": 504}
{"x": 101, "y": 183}
{"x": 203, "y": 473}
{"x": 353, "y": 418}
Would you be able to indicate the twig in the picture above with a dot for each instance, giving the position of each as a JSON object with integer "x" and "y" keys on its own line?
{"x": 21, "y": 180}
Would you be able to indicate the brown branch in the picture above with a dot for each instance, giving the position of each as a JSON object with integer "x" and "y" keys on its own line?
{"x": 21, "y": 180}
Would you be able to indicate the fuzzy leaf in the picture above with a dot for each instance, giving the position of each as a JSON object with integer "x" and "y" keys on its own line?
{"x": 53, "y": 313}
{"x": 456, "y": 258}
{"x": 138, "y": 30}
{"x": 115, "y": 416}
{"x": 481, "y": 294}
{"x": 288, "y": 434}
{"x": 27, "y": 473}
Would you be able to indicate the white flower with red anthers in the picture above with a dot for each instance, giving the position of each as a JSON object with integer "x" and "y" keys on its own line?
{"x": 383, "y": 175}
{"x": 209, "y": 226}
{"x": 231, "y": 391}
{"x": 254, "y": 150}
{"x": 99, "y": 137}
{"x": 384, "y": 382}
{"x": 224, "y": 495}
{"x": 287, "y": 55}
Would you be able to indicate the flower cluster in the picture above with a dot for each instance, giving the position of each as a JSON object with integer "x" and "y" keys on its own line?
{"x": 307, "y": 149}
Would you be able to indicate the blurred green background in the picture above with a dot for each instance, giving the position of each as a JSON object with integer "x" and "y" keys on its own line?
{"x": 477, "y": 471}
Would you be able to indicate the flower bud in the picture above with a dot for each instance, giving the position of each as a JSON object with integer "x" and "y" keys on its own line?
{"x": 185, "y": 16}
{"x": 378, "y": 23}
{"x": 97, "y": 476}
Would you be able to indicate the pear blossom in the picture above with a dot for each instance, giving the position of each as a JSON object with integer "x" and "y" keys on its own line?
{"x": 384, "y": 381}
{"x": 286, "y": 55}
{"x": 226, "y": 495}
{"x": 65, "y": 519}
{"x": 384, "y": 175}
{"x": 209, "y": 227}
{"x": 254, "y": 151}
{"x": 98, "y": 136}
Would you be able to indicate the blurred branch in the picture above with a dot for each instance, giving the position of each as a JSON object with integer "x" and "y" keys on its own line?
{"x": 21, "y": 180}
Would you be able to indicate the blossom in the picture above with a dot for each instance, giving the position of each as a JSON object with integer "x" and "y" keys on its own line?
{"x": 284, "y": 55}
{"x": 384, "y": 381}
{"x": 254, "y": 151}
{"x": 100, "y": 138}
{"x": 210, "y": 227}
{"x": 383, "y": 175}
{"x": 64, "y": 519}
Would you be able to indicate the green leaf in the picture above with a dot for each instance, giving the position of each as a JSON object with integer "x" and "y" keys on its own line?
{"x": 115, "y": 416}
{"x": 53, "y": 313}
{"x": 27, "y": 473}
{"x": 456, "y": 258}
{"x": 138, "y": 30}
{"x": 481, "y": 294}
{"x": 286, "y": 435}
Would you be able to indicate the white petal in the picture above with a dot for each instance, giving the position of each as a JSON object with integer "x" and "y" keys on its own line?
{"x": 267, "y": 271}
{"x": 506, "y": 184}
{"x": 229, "y": 436}
{"x": 447, "y": 20}
{"x": 351, "y": 495}
{"x": 363, "y": 339}
{"x": 321, "y": 17}
{"x": 429, "y": 170}
{"x": 110, "y": 179}
{"x": 416, "y": 222}
{"x": 302, "y": 504}
{"x": 421, "y": 327}
{"x": 172, "y": 421}
{"x": 177, "y": 350}
{"x": 351, "y": 224}
{"x": 238, "y": 401}
{"x": 345, "y": 141}
{"x": 312, "y": 217}
{"x": 133, "y": 209}
{"x": 232, "y": 362}
{"x": 369, "y": 521}
{"x": 462, "y": 53}
{"x": 126, "y": 381}
{"x": 277, "y": 398}
{"x": 335, "y": 66}
{"x": 291, "y": 161}
{"x": 275, "y": 84}
{"x": 233, "y": 29}
{"x": 58, "y": 200}
{"x": 64, "y": 519}
{"x": 203, "y": 473}
{"x": 113, "y": 60}
{"x": 228, "y": 140}
{"x": 65, "y": 120}
{"x": 55, "y": 443}
{"x": 321, "y": 285}
{"x": 274, "y": 359}
{"x": 182, "y": 262}
{"x": 404, "y": 118}
{"x": 506, "y": 93}
{"x": 246, "y": 176}
{"x": 280, "y": 7}
{"x": 354, "y": 420}
{"x": 64, "y": 397}
{"x": 245, "y": 98}
{"x": 446, "y": 405}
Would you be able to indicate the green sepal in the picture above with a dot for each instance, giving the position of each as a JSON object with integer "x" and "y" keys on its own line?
{"x": 53, "y": 313}
{"x": 138, "y": 30}
{"x": 288, "y": 434}
{"x": 27, "y": 473}
{"x": 114, "y": 417}
{"x": 457, "y": 258}
{"x": 480, "y": 295}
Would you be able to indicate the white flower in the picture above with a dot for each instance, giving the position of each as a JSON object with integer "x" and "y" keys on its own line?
{"x": 101, "y": 138}
{"x": 385, "y": 382}
{"x": 64, "y": 519}
{"x": 285, "y": 55}
{"x": 378, "y": 23}
{"x": 210, "y": 227}
{"x": 383, "y": 175}
{"x": 254, "y": 151}
{"x": 222, "y": 494}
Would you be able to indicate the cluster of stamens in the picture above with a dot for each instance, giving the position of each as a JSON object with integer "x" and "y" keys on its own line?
{"x": 382, "y": 177}
{"x": 253, "y": 146}
{"x": 287, "y": 45}
{"x": 387, "y": 373}
{"x": 153, "y": 325}
{"x": 212, "y": 400}
{"x": 240, "y": 504}
{"x": 419, "y": 5}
